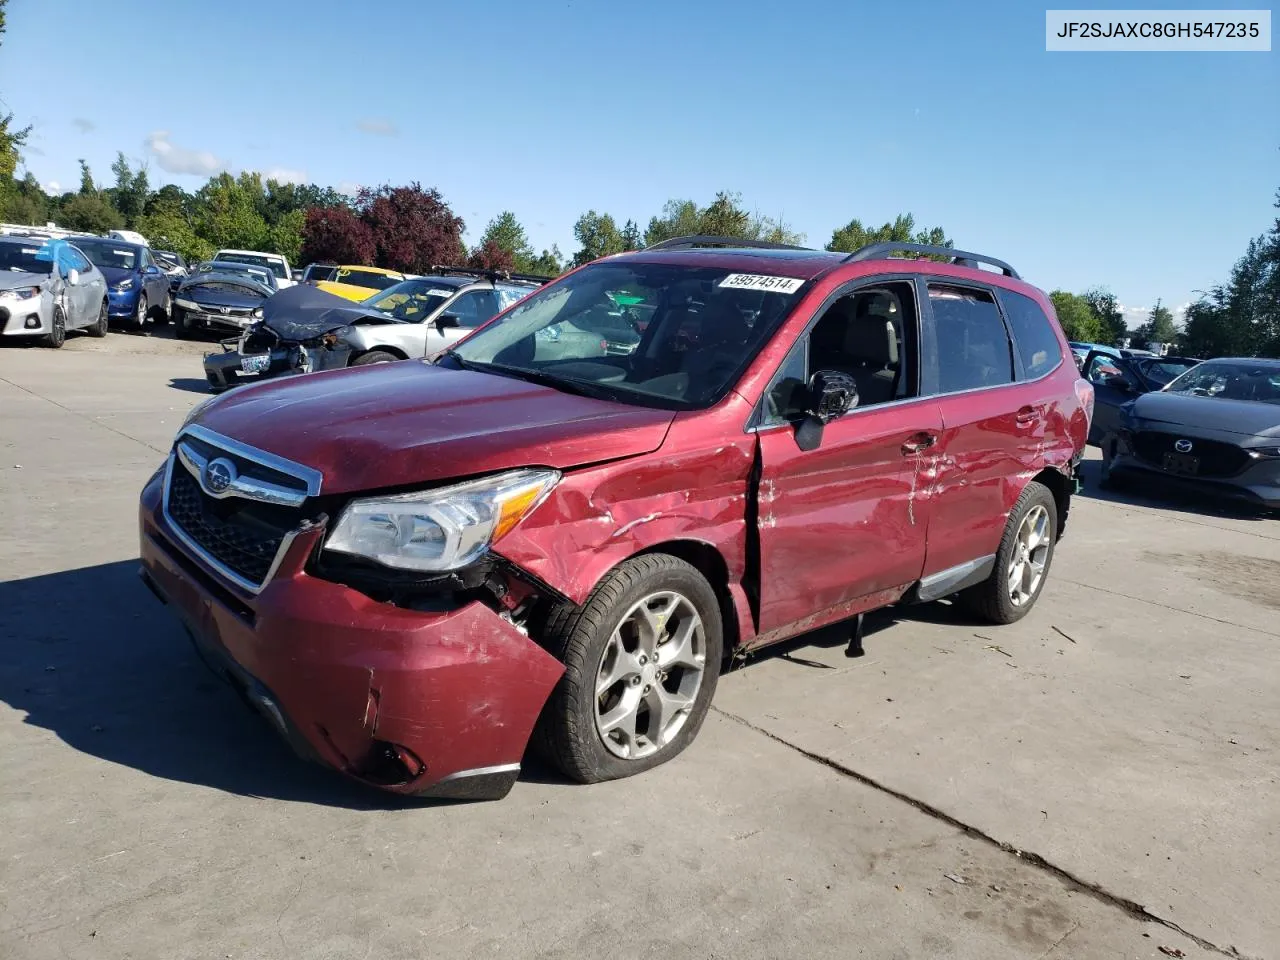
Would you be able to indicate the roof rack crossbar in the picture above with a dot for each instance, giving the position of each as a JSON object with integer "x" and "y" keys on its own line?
{"x": 882, "y": 251}
{"x": 706, "y": 240}
{"x": 490, "y": 274}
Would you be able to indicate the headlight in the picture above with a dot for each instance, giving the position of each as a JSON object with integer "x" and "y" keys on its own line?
{"x": 186, "y": 304}
{"x": 23, "y": 293}
{"x": 257, "y": 314}
{"x": 438, "y": 530}
{"x": 125, "y": 284}
{"x": 1267, "y": 452}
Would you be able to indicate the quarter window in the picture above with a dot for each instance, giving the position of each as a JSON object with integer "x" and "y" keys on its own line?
{"x": 474, "y": 308}
{"x": 972, "y": 343}
{"x": 1038, "y": 345}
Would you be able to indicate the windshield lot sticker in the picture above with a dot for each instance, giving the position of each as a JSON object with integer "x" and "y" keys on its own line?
{"x": 436, "y": 292}
{"x": 751, "y": 281}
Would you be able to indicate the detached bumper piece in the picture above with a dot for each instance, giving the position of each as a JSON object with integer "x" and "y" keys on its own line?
{"x": 266, "y": 357}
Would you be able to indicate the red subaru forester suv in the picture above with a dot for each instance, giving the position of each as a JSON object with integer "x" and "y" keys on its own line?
{"x": 553, "y": 531}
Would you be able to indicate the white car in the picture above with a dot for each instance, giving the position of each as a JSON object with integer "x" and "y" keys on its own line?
{"x": 129, "y": 236}
{"x": 272, "y": 261}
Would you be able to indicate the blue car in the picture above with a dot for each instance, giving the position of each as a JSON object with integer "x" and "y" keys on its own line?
{"x": 137, "y": 289}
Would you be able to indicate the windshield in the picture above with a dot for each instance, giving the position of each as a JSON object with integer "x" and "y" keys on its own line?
{"x": 320, "y": 272}
{"x": 1163, "y": 371}
{"x": 21, "y": 258}
{"x": 701, "y": 327}
{"x": 260, "y": 274}
{"x": 109, "y": 253}
{"x": 1231, "y": 380}
{"x": 412, "y": 300}
{"x": 274, "y": 264}
{"x": 367, "y": 278}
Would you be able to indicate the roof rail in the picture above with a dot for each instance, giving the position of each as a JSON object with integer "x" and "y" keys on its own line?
{"x": 704, "y": 240}
{"x": 490, "y": 274}
{"x": 882, "y": 251}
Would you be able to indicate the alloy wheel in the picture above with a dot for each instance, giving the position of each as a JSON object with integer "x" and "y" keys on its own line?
{"x": 649, "y": 675}
{"x": 1030, "y": 552}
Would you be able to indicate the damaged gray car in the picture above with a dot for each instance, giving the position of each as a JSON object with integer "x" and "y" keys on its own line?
{"x": 48, "y": 287}
{"x": 304, "y": 329}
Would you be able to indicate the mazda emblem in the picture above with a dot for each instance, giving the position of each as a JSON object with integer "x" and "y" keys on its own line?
{"x": 218, "y": 475}
{"x": 1183, "y": 446}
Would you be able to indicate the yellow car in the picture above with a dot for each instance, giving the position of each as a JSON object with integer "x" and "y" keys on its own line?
{"x": 360, "y": 283}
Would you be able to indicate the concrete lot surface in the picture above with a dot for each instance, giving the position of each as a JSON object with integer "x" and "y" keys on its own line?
{"x": 1101, "y": 780}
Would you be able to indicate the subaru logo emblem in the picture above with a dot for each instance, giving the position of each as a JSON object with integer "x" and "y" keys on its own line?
{"x": 219, "y": 474}
{"x": 1183, "y": 446}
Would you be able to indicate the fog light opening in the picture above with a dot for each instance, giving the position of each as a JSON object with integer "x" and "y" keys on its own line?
{"x": 390, "y": 764}
{"x": 32, "y": 322}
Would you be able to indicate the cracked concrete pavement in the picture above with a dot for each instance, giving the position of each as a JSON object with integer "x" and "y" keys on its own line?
{"x": 1123, "y": 739}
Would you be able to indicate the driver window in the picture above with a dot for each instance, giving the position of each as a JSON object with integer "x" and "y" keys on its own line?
{"x": 474, "y": 308}
{"x": 868, "y": 334}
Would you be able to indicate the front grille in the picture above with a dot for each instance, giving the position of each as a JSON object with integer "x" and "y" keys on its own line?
{"x": 240, "y": 535}
{"x": 1217, "y": 459}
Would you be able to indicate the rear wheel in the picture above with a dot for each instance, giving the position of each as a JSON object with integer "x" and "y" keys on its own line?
{"x": 642, "y": 659}
{"x": 374, "y": 356}
{"x": 1022, "y": 562}
{"x": 99, "y": 328}
{"x": 57, "y": 334}
{"x": 165, "y": 313}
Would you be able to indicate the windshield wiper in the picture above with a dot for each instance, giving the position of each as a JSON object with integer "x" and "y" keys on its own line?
{"x": 456, "y": 357}
{"x": 581, "y": 388}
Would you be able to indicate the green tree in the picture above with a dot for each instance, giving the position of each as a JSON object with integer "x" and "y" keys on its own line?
{"x": 1106, "y": 310}
{"x": 91, "y": 213}
{"x": 87, "y": 186}
{"x": 504, "y": 233}
{"x": 549, "y": 263}
{"x": 131, "y": 190}
{"x": 1077, "y": 320}
{"x": 853, "y": 235}
{"x": 226, "y": 212}
{"x": 168, "y": 224}
{"x": 631, "y": 237}
{"x": 1159, "y": 327}
{"x": 723, "y": 217}
{"x": 12, "y": 140}
{"x": 598, "y": 236}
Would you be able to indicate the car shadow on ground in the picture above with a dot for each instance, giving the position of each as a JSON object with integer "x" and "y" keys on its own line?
{"x": 91, "y": 656}
{"x": 189, "y": 384}
{"x": 1132, "y": 493}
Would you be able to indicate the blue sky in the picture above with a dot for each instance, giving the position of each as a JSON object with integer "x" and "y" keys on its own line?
{"x": 1147, "y": 173}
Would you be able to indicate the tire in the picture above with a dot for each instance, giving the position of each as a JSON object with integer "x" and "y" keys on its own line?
{"x": 183, "y": 328}
{"x": 374, "y": 356}
{"x": 101, "y": 325}
{"x": 994, "y": 599}
{"x": 57, "y": 334}
{"x": 1107, "y": 480}
{"x": 592, "y": 639}
{"x": 162, "y": 316}
{"x": 140, "y": 314}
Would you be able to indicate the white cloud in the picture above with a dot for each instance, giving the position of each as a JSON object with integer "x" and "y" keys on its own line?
{"x": 53, "y": 188}
{"x": 285, "y": 175}
{"x": 175, "y": 159}
{"x": 349, "y": 187}
{"x": 83, "y": 125}
{"x": 378, "y": 127}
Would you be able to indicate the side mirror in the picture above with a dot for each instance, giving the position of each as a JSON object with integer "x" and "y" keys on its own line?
{"x": 73, "y": 277}
{"x": 448, "y": 321}
{"x": 832, "y": 394}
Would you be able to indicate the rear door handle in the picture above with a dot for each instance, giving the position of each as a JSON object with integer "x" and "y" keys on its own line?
{"x": 1027, "y": 416}
{"x": 918, "y": 442}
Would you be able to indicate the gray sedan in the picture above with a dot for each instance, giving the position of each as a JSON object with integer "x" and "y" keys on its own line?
{"x": 48, "y": 287}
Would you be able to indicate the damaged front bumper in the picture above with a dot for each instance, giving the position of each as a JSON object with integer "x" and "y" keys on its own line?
{"x": 434, "y": 704}
{"x": 233, "y": 367}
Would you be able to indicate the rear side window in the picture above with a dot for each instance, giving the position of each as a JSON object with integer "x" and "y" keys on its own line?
{"x": 1037, "y": 344}
{"x": 972, "y": 343}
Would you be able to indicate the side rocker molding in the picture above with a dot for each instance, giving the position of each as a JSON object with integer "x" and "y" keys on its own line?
{"x": 954, "y": 579}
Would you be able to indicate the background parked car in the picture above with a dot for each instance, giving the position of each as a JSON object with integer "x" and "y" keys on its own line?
{"x": 221, "y": 296}
{"x": 1118, "y": 380}
{"x": 174, "y": 267}
{"x": 277, "y": 264}
{"x": 48, "y": 288}
{"x": 1214, "y": 430}
{"x": 316, "y": 272}
{"x": 359, "y": 283}
{"x": 138, "y": 289}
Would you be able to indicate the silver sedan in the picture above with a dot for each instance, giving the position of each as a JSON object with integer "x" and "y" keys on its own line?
{"x": 48, "y": 287}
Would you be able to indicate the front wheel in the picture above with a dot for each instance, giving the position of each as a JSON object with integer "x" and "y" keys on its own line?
{"x": 374, "y": 356}
{"x": 99, "y": 328}
{"x": 140, "y": 315}
{"x": 1022, "y": 562}
{"x": 183, "y": 327}
{"x": 57, "y": 334}
{"x": 642, "y": 659}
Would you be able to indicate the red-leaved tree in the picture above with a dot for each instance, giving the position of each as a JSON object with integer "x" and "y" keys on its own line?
{"x": 413, "y": 228}
{"x": 490, "y": 256}
{"x": 336, "y": 235}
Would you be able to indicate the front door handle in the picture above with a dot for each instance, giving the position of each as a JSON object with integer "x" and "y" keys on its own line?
{"x": 919, "y": 442}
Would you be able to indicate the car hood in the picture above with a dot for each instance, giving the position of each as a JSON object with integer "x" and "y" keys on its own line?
{"x": 115, "y": 274}
{"x": 1246, "y": 417}
{"x": 304, "y": 312}
{"x": 408, "y": 423}
{"x": 10, "y": 280}
{"x": 245, "y": 297}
